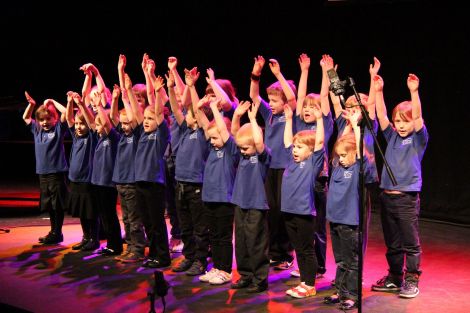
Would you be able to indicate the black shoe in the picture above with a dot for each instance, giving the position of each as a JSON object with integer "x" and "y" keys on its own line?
{"x": 92, "y": 244}
{"x": 152, "y": 263}
{"x": 257, "y": 288}
{"x": 333, "y": 299}
{"x": 53, "y": 239}
{"x": 79, "y": 245}
{"x": 183, "y": 266}
{"x": 348, "y": 305}
{"x": 197, "y": 268}
{"x": 108, "y": 251}
{"x": 241, "y": 283}
{"x": 41, "y": 239}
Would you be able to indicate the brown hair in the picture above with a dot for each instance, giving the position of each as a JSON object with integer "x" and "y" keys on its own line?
{"x": 81, "y": 117}
{"x": 306, "y": 137}
{"x": 213, "y": 124}
{"x": 226, "y": 85}
{"x": 349, "y": 143}
{"x": 275, "y": 89}
{"x": 46, "y": 110}
{"x": 141, "y": 89}
{"x": 404, "y": 111}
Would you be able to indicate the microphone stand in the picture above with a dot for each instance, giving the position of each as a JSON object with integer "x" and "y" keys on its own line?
{"x": 365, "y": 121}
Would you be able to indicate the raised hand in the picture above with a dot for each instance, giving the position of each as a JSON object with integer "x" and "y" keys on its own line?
{"x": 304, "y": 62}
{"x": 258, "y": 66}
{"x": 69, "y": 96}
{"x": 274, "y": 66}
{"x": 202, "y": 102}
{"x": 326, "y": 62}
{"x": 151, "y": 66}
{"x": 242, "y": 107}
{"x": 253, "y": 110}
{"x": 29, "y": 98}
{"x": 122, "y": 62}
{"x": 116, "y": 91}
{"x": 158, "y": 83}
{"x": 374, "y": 68}
{"x": 172, "y": 62}
{"x": 145, "y": 59}
{"x": 210, "y": 75}
{"x": 170, "y": 79}
{"x": 191, "y": 76}
{"x": 412, "y": 82}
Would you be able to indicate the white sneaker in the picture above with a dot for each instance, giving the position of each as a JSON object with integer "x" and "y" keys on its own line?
{"x": 221, "y": 277}
{"x": 208, "y": 275}
{"x": 295, "y": 273}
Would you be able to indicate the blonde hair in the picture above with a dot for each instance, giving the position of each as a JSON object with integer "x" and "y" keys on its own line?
{"x": 141, "y": 89}
{"x": 46, "y": 110}
{"x": 404, "y": 111}
{"x": 306, "y": 137}
{"x": 312, "y": 98}
{"x": 81, "y": 117}
{"x": 348, "y": 141}
{"x": 245, "y": 135}
{"x": 275, "y": 89}
{"x": 213, "y": 125}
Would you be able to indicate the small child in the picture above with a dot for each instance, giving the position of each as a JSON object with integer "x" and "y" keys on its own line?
{"x": 406, "y": 143}
{"x": 51, "y": 165}
{"x": 298, "y": 207}
{"x": 249, "y": 196}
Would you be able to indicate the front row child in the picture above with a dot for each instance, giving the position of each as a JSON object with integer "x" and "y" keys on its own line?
{"x": 251, "y": 225}
{"x": 306, "y": 155}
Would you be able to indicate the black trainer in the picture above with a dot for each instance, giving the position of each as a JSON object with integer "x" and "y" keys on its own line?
{"x": 386, "y": 284}
{"x": 183, "y": 266}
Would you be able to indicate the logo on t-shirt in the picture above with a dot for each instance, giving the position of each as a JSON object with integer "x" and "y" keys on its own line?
{"x": 302, "y": 164}
{"x": 407, "y": 141}
{"x": 220, "y": 154}
{"x": 85, "y": 141}
{"x": 193, "y": 136}
{"x": 130, "y": 139}
{"x": 50, "y": 135}
{"x": 254, "y": 159}
{"x": 106, "y": 143}
{"x": 152, "y": 136}
{"x": 282, "y": 119}
{"x": 348, "y": 174}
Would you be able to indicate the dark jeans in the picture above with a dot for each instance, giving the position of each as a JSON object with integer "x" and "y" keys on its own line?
{"x": 53, "y": 190}
{"x": 131, "y": 218}
{"x": 150, "y": 201}
{"x": 106, "y": 199}
{"x": 220, "y": 218}
{"x": 400, "y": 227}
{"x": 170, "y": 189}
{"x": 280, "y": 248}
{"x": 252, "y": 244}
{"x": 344, "y": 240}
{"x": 301, "y": 229}
{"x": 193, "y": 221}
{"x": 321, "y": 189}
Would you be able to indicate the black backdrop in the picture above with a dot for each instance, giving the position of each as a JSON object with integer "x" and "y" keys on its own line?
{"x": 43, "y": 45}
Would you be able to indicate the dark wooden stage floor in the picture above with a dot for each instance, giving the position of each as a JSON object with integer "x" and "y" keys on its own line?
{"x": 56, "y": 279}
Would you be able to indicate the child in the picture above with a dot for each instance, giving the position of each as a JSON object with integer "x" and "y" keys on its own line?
{"x": 224, "y": 90}
{"x": 305, "y": 163}
{"x": 219, "y": 176}
{"x": 251, "y": 228}
{"x": 279, "y": 93}
{"x": 150, "y": 177}
{"x": 406, "y": 142}
{"x": 99, "y": 94}
{"x": 80, "y": 200}
{"x": 51, "y": 165}
{"x": 342, "y": 210}
{"x": 190, "y": 161}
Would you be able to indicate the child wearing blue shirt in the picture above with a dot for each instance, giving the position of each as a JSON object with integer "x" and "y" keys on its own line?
{"x": 51, "y": 165}
{"x": 249, "y": 196}
{"x": 279, "y": 93}
{"x": 306, "y": 156}
{"x": 406, "y": 143}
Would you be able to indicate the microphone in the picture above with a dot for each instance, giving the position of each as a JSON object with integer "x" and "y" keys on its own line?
{"x": 336, "y": 85}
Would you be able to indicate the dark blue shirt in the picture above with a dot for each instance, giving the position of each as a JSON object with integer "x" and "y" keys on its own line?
{"x": 219, "y": 173}
{"x": 127, "y": 146}
{"x": 248, "y": 190}
{"x": 49, "y": 148}
{"x": 298, "y": 183}
{"x": 81, "y": 156}
{"x": 104, "y": 158}
{"x": 149, "y": 163}
{"x": 404, "y": 156}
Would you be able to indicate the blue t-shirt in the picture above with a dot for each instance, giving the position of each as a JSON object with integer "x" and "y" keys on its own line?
{"x": 371, "y": 166}
{"x": 193, "y": 150}
{"x": 104, "y": 158}
{"x": 248, "y": 190}
{"x": 328, "y": 130}
{"x": 274, "y": 135}
{"x": 49, "y": 148}
{"x": 342, "y": 202}
{"x": 219, "y": 173}
{"x": 175, "y": 135}
{"x": 81, "y": 157}
{"x": 404, "y": 156}
{"x": 149, "y": 163}
{"x": 298, "y": 183}
{"x": 124, "y": 166}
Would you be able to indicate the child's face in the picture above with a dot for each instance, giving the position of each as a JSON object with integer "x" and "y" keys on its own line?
{"x": 403, "y": 127}
{"x": 247, "y": 149}
{"x": 346, "y": 158}
{"x": 150, "y": 121}
{"x": 307, "y": 111}
{"x": 125, "y": 124}
{"x": 190, "y": 120}
{"x": 301, "y": 152}
{"x": 215, "y": 138}
{"x": 276, "y": 103}
{"x": 140, "y": 99}
{"x": 47, "y": 122}
{"x": 99, "y": 126}
{"x": 81, "y": 129}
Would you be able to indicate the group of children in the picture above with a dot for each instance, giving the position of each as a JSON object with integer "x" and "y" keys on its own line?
{"x": 273, "y": 186}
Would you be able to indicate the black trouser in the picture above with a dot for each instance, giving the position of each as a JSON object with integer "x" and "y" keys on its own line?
{"x": 400, "y": 228}
{"x": 105, "y": 200}
{"x": 131, "y": 218}
{"x": 301, "y": 229}
{"x": 366, "y": 216}
{"x": 280, "y": 249}
{"x": 193, "y": 221}
{"x": 90, "y": 228}
{"x": 251, "y": 245}
{"x": 52, "y": 199}
{"x": 220, "y": 220}
{"x": 321, "y": 189}
{"x": 344, "y": 240}
{"x": 150, "y": 201}
{"x": 170, "y": 197}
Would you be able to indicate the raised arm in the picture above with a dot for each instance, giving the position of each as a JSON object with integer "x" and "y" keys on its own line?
{"x": 86, "y": 89}
{"x": 255, "y": 77}
{"x": 326, "y": 64}
{"x": 69, "y": 110}
{"x": 413, "y": 85}
{"x": 105, "y": 119}
{"x": 89, "y": 118}
{"x": 59, "y": 108}
{"x": 304, "y": 62}
{"x": 288, "y": 136}
{"x": 257, "y": 133}
{"x": 29, "y": 109}
{"x": 179, "y": 83}
{"x": 100, "y": 84}
{"x": 354, "y": 119}
{"x": 225, "y": 102}
{"x": 114, "y": 112}
{"x": 380, "y": 107}
{"x": 159, "y": 84}
{"x": 370, "y": 105}
{"x": 320, "y": 131}
{"x": 239, "y": 111}
{"x": 137, "y": 112}
{"x": 219, "y": 121}
{"x": 290, "y": 95}
{"x": 148, "y": 67}
{"x": 174, "y": 105}
{"x": 191, "y": 77}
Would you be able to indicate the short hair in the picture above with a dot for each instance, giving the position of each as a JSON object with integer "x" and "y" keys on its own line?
{"x": 351, "y": 100}
{"x": 226, "y": 85}
{"x": 348, "y": 141}
{"x": 275, "y": 89}
{"x": 150, "y": 108}
{"x": 141, "y": 89}
{"x": 213, "y": 124}
{"x": 403, "y": 110}
{"x": 306, "y": 137}
{"x": 80, "y": 116}
{"x": 312, "y": 98}
{"x": 46, "y": 110}
{"x": 245, "y": 135}
{"x": 107, "y": 93}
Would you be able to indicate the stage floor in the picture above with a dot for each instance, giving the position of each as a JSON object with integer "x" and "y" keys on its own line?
{"x": 57, "y": 279}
